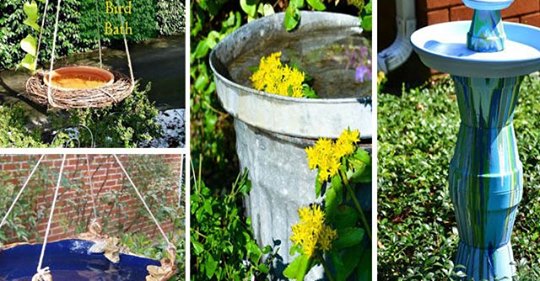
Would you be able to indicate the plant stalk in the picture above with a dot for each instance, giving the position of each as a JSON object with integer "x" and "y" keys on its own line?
{"x": 326, "y": 269}
{"x": 356, "y": 204}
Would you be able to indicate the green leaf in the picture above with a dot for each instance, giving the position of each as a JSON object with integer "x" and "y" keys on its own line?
{"x": 346, "y": 216}
{"x": 29, "y": 62}
{"x": 292, "y": 17}
{"x": 31, "y": 10}
{"x": 29, "y": 45}
{"x": 367, "y": 23}
{"x": 361, "y": 162}
{"x": 266, "y": 10}
{"x": 32, "y": 24}
{"x": 331, "y": 203}
{"x": 211, "y": 266}
{"x": 309, "y": 92}
{"x": 197, "y": 247}
{"x": 368, "y": 8}
{"x": 363, "y": 268}
{"x": 249, "y": 6}
{"x": 317, "y": 5}
{"x": 201, "y": 50}
{"x": 298, "y": 268}
{"x": 348, "y": 237}
{"x": 318, "y": 185}
{"x": 297, "y": 3}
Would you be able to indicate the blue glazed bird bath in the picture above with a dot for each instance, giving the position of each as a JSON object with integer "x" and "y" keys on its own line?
{"x": 70, "y": 260}
{"x": 487, "y": 59}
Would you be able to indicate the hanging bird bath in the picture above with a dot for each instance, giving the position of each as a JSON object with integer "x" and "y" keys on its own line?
{"x": 70, "y": 260}
{"x": 78, "y": 78}
{"x": 92, "y": 255}
{"x": 78, "y": 86}
{"x": 272, "y": 131}
{"x": 487, "y": 59}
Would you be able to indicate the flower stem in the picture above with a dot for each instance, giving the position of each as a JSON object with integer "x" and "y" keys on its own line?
{"x": 326, "y": 269}
{"x": 356, "y": 203}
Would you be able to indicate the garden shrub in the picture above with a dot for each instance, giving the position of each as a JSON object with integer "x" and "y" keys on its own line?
{"x": 170, "y": 16}
{"x": 14, "y": 31}
{"x": 142, "y": 20}
{"x": 13, "y": 128}
{"x": 222, "y": 241}
{"x": 417, "y": 231}
{"x": 126, "y": 124}
{"x": 25, "y": 214}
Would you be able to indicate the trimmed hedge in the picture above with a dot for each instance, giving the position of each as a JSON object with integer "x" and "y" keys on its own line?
{"x": 417, "y": 232}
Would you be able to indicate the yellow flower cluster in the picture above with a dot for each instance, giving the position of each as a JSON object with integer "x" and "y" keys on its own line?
{"x": 275, "y": 78}
{"x": 311, "y": 232}
{"x": 326, "y": 154}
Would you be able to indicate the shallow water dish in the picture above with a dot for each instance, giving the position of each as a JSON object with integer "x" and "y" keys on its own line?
{"x": 69, "y": 260}
{"x": 79, "y": 78}
{"x": 444, "y": 47}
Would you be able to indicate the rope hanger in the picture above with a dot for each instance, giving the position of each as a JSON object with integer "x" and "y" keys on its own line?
{"x": 50, "y": 98}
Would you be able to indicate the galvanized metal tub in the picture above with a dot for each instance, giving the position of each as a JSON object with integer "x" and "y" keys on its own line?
{"x": 272, "y": 131}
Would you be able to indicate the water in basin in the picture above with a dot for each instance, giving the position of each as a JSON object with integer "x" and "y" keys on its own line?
{"x": 331, "y": 57}
{"x": 69, "y": 260}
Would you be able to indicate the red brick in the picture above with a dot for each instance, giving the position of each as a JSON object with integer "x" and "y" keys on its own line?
{"x": 437, "y": 4}
{"x": 437, "y": 16}
{"x": 533, "y": 19}
{"x": 521, "y": 7}
{"x": 512, "y": 19}
{"x": 460, "y": 13}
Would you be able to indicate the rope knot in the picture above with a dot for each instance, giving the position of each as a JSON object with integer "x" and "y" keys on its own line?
{"x": 43, "y": 274}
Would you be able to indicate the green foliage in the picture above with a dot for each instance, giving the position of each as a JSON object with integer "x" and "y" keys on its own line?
{"x": 29, "y": 43}
{"x": 417, "y": 230}
{"x": 78, "y": 26}
{"x": 25, "y": 215}
{"x": 293, "y": 16}
{"x": 170, "y": 16}
{"x": 156, "y": 182}
{"x": 221, "y": 241}
{"x": 211, "y": 128}
{"x": 142, "y": 20}
{"x": 350, "y": 255}
{"x": 13, "y": 128}
{"x": 14, "y": 31}
{"x": 127, "y": 124}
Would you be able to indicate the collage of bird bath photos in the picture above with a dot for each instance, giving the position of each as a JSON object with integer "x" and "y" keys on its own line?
{"x": 269, "y": 140}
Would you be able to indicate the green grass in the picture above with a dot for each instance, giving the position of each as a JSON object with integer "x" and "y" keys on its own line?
{"x": 416, "y": 224}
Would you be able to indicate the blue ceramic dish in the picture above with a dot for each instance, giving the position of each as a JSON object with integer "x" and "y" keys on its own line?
{"x": 69, "y": 260}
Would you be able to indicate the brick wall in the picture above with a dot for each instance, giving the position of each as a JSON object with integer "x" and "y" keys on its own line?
{"x": 437, "y": 11}
{"x": 74, "y": 208}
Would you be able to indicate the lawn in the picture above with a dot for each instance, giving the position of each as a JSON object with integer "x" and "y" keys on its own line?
{"x": 417, "y": 232}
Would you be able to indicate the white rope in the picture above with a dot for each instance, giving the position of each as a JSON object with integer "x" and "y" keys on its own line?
{"x": 127, "y": 49}
{"x": 43, "y": 274}
{"x": 91, "y": 186}
{"x": 41, "y": 33}
{"x": 99, "y": 35}
{"x": 49, "y": 96}
{"x": 48, "y": 229}
{"x": 142, "y": 200}
{"x": 21, "y": 191}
